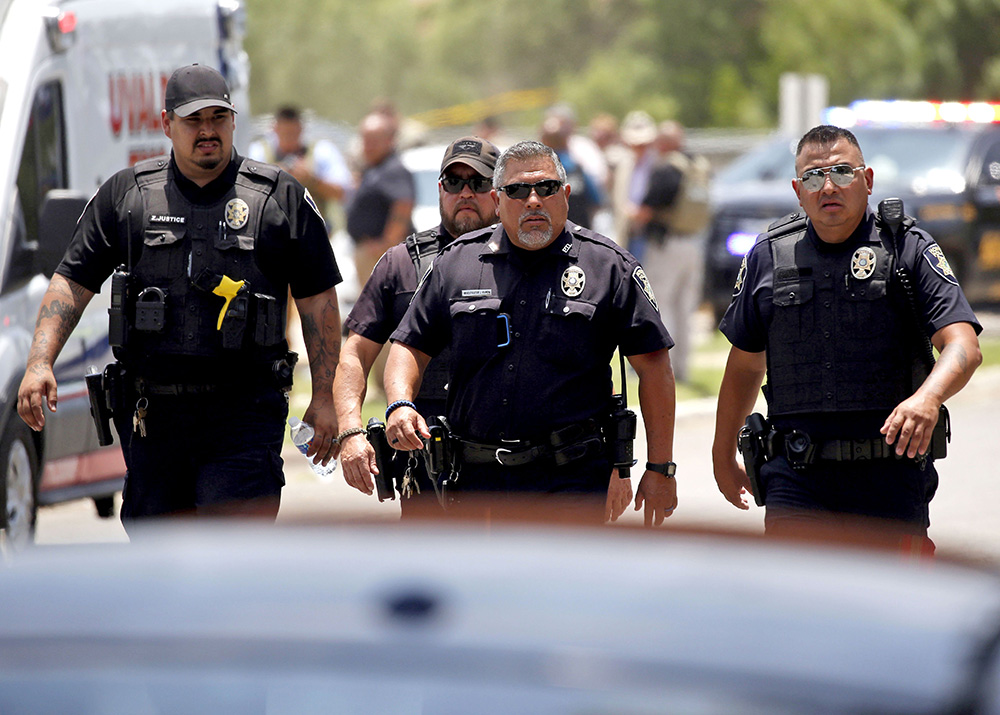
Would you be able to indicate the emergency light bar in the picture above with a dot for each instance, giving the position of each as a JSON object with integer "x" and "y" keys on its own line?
{"x": 900, "y": 111}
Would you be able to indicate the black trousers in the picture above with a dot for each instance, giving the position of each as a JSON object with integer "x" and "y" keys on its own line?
{"x": 889, "y": 494}
{"x": 214, "y": 454}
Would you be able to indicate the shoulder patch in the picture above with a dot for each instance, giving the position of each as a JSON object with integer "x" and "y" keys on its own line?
{"x": 936, "y": 259}
{"x": 741, "y": 278}
{"x": 639, "y": 276}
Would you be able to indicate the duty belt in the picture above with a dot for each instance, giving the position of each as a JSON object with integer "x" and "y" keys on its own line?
{"x": 564, "y": 446}
{"x": 800, "y": 449}
{"x": 155, "y": 388}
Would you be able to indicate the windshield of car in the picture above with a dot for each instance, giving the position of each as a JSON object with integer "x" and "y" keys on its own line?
{"x": 920, "y": 158}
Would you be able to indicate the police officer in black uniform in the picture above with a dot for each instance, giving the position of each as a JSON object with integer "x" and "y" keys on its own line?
{"x": 532, "y": 312}
{"x": 466, "y": 205}
{"x": 819, "y": 307}
{"x": 208, "y": 244}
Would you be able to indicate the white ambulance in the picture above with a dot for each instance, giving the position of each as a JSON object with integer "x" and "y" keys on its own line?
{"x": 81, "y": 89}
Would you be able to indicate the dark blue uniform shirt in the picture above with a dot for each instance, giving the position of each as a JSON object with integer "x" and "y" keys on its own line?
{"x": 532, "y": 332}
{"x": 939, "y": 300}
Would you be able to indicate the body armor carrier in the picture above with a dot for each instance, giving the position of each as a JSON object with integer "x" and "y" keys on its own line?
{"x": 836, "y": 341}
{"x": 423, "y": 247}
{"x": 197, "y": 289}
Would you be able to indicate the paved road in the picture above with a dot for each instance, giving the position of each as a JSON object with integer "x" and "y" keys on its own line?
{"x": 962, "y": 513}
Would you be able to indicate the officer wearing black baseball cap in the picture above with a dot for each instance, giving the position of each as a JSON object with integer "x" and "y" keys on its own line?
{"x": 466, "y": 205}
{"x": 195, "y": 87}
{"x": 211, "y": 243}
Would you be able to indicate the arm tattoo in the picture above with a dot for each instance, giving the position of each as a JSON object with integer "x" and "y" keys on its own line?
{"x": 322, "y": 341}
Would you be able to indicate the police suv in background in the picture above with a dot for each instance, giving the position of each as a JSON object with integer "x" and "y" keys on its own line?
{"x": 81, "y": 89}
{"x": 941, "y": 159}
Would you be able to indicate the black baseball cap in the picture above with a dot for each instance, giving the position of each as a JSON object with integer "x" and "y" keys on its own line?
{"x": 195, "y": 87}
{"x": 474, "y": 151}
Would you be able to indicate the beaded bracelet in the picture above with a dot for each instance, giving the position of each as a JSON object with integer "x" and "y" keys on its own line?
{"x": 349, "y": 432}
{"x": 398, "y": 403}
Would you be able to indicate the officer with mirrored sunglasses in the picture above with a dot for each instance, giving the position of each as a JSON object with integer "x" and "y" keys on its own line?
{"x": 532, "y": 312}
{"x": 838, "y": 307}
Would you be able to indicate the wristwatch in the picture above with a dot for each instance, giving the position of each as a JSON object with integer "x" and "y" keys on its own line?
{"x": 667, "y": 469}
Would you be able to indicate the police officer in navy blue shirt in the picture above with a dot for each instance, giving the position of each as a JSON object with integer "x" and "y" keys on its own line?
{"x": 819, "y": 310}
{"x": 466, "y": 205}
{"x": 216, "y": 241}
{"x": 532, "y": 311}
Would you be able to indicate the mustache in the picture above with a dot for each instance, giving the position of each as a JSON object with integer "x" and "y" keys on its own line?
{"x": 540, "y": 213}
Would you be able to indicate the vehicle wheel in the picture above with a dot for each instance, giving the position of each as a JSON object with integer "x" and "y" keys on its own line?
{"x": 20, "y": 467}
{"x": 105, "y": 506}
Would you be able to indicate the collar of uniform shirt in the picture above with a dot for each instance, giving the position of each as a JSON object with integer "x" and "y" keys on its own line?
{"x": 499, "y": 243}
{"x": 214, "y": 190}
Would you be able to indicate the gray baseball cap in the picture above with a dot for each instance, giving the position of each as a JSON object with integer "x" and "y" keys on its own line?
{"x": 478, "y": 153}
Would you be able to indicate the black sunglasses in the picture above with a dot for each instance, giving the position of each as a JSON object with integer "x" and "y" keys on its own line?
{"x": 478, "y": 184}
{"x": 523, "y": 191}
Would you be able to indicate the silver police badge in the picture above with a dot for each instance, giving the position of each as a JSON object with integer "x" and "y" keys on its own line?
{"x": 237, "y": 213}
{"x": 935, "y": 257}
{"x": 639, "y": 276}
{"x": 863, "y": 263}
{"x": 573, "y": 281}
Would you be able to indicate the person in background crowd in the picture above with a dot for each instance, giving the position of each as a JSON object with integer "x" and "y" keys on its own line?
{"x": 318, "y": 165}
{"x": 631, "y": 179}
{"x": 674, "y": 217}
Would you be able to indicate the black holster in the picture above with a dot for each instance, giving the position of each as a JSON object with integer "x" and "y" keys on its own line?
{"x": 384, "y": 483}
{"x": 619, "y": 436}
{"x": 441, "y": 458}
{"x": 101, "y": 389}
{"x": 752, "y": 442}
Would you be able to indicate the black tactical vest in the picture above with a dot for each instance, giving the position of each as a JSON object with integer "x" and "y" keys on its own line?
{"x": 423, "y": 247}
{"x": 186, "y": 251}
{"x": 837, "y": 339}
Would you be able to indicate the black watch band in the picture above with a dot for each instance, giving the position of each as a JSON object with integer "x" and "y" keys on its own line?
{"x": 667, "y": 469}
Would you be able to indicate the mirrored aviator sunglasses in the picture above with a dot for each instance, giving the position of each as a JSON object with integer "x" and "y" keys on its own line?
{"x": 478, "y": 184}
{"x": 522, "y": 191}
{"x": 840, "y": 174}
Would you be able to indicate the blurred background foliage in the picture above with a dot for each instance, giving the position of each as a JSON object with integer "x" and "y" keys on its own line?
{"x": 713, "y": 64}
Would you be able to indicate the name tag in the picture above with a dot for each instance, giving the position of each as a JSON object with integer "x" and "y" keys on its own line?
{"x": 477, "y": 293}
{"x": 161, "y": 218}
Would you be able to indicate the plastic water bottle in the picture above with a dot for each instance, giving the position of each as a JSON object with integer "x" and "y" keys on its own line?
{"x": 302, "y": 434}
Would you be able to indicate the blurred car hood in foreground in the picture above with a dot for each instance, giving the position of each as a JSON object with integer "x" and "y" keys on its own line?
{"x": 446, "y": 618}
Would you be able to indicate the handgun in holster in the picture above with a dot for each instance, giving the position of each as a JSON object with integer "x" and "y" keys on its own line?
{"x": 100, "y": 388}
{"x": 752, "y": 443}
{"x": 439, "y": 458}
{"x": 620, "y": 436}
{"x": 375, "y": 433}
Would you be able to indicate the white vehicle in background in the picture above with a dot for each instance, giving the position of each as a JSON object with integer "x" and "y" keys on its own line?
{"x": 81, "y": 90}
